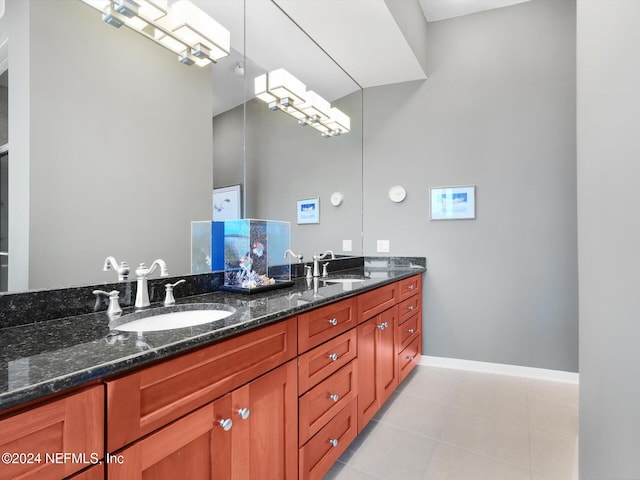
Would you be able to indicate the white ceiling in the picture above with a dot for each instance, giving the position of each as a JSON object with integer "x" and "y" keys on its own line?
{"x": 361, "y": 36}
{"x": 442, "y": 9}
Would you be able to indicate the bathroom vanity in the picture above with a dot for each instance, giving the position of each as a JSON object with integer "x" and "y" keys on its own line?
{"x": 277, "y": 391}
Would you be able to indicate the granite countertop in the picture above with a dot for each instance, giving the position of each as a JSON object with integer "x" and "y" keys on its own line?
{"x": 45, "y": 358}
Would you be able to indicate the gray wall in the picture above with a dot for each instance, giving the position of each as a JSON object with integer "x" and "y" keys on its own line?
{"x": 286, "y": 163}
{"x": 127, "y": 166}
{"x": 608, "y": 237}
{"x": 497, "y": 111}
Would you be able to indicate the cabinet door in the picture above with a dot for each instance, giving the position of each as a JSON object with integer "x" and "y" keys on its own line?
{"x": 377, "y": 363}
{"x": 183, "y": 449}
{"x": 262, "y": 442}
{"x": 72, "y": 425}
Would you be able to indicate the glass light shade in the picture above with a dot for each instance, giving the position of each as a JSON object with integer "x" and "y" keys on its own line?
{"x": 260, "y": 89}
{"x": 316, "y": 106}
{"x": 284, "y": 85}
{"x": 152, "y": 10}
{"x": 98, "y": 4}
{"x": 192, "y": 26}
{"x": 339, "y": 121}
{"x": 135, "y": 22}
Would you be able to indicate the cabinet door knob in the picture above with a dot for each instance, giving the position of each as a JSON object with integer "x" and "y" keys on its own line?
{"x": 334, "y": 442}
{"x": 334, "y": 397}
{"x": 411, "y": 357}
{"x": 411, "y": 307}
{"x": 244, "y": 413}
{"x": 333, "y": 356}
{"x": 411, "y": 287}
{"x": 381, "y": 326}
{"x": 226, "y": 424}
{"x": 411, "y": 330}
{"x": 333, "y": 321}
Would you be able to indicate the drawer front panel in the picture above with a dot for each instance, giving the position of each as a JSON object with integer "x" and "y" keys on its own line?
{"x": 317, "y": 364}
{"x": 324, "y": 323}
{"x": 71, "y": 425}
{"x": 409, "y": 358}
{"x": 322, "y": 402}
{"x": 321, "y": 452}
{"x": 146, "y": 400}
{"x": 376, "y": 301}
{"x": 409, "y": 287}
{"x": 409, "y": 307}
{"x": 409, "y": 331}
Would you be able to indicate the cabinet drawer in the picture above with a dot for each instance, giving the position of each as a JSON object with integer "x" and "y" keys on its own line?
{"x": 322, "y": 451}
{"x": 409, "y": 287}
{"x": 321, "y": 403}
{"x": 322, "y": 361}
{"x": 324, "y": 323}
{"x": 94, "y": 473}
{"x": 71, "y": 425}
{"x": 142, "y": 402}
{"x": 409, "y": 358}
{"x": 376, "y": 301}
{"x": 409, "y": 307}
{"x": 409, "y": 331}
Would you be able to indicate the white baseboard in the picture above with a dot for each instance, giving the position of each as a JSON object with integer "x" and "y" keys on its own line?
{"x": 500, "y": 369}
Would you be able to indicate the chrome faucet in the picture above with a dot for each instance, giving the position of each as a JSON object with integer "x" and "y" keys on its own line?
{"x": 293, "y": 254}
{"x": 316, "y": 261}
{"x": 110, "y": 263}
{"x": 142, "y": 272}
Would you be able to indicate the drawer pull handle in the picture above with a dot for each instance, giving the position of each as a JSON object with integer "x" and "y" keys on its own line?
{"x": 411, "y": 307}
{"x": 334, "y": 397}
{"x": 333, "y": 321}
{"x": 244, "y": 413}
{"x": 333, "y": 357}
{"x": 382, "y": 326}
{"x": 411, "y": 357}
{"x": 411, "y": 287}
{"x": 226, "y": 424}
{"x": 412, "y": 330}
{"x": 334, "y": 442}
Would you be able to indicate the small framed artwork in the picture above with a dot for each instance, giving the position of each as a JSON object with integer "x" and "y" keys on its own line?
{"x": 309, "y": 211}
{"x": 453, "y": 203}
{"x": 227, "y": 204}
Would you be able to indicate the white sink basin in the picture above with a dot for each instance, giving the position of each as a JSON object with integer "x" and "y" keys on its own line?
{"x": 171, "y": 318}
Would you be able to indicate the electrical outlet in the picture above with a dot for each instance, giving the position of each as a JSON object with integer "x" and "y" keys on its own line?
{"x": 383, "y": 246}
{"x": 347, "y": 245}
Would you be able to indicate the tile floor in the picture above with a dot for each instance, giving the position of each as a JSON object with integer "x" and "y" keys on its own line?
{"x": 445, "y": 424}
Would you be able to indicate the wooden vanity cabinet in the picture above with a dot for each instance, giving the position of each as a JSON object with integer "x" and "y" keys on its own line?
{"x": 409, "y": 329}
{"x": 72, "y": 425}
{"x": 141, "y": 402}
{"x": 250, "y": 433}
{"x": 377, "y": 363}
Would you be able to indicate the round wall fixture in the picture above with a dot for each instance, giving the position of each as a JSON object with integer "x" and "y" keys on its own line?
{"x": 336, "y": 199}
{"x": 397, "y": 193}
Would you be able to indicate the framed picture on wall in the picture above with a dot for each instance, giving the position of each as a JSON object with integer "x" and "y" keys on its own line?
{"x": 227, "y": 203}
{"x": 309, "y": 211}
{"x": 453, "y": 203}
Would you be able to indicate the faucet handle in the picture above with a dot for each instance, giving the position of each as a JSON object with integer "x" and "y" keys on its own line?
{"x": 324, "y": 269}
{"x": 169, "y": 299}
{"x": 114, "y": 309}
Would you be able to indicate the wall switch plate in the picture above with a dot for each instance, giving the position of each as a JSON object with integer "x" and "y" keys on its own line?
{"x": 383, "y": 246}
{"x": 347, "y": 245}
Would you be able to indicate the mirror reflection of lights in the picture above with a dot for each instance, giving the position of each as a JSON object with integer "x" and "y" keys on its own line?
{"x": 282, "y": 91}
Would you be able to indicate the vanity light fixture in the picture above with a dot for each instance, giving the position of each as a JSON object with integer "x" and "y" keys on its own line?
{"x": 282, "y": 91}
{"x": 180, "y": 27}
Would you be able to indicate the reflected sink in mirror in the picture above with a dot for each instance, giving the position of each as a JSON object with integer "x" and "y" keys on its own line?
{"x": 344, "y": 280}
{"x": 171, "y": 318}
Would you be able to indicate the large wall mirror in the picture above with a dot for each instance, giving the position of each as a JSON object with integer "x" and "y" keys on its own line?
{"x": 112, "y": 150}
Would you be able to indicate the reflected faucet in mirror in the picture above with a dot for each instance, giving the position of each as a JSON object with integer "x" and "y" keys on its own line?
{"x": 122, "y": 269}
{"x": 316, "y": 261}
{"x": 299, "y": 256}
{"x": 142, "y": 272}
